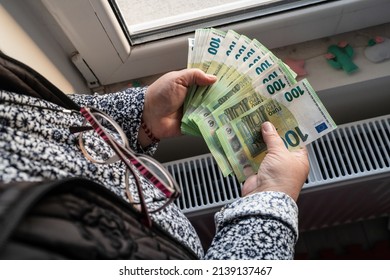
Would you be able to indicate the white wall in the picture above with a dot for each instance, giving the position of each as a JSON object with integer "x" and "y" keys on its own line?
{"x": 23, "y": 36}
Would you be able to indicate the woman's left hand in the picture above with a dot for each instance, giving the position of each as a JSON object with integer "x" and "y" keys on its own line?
{"x": 164, "y": 100}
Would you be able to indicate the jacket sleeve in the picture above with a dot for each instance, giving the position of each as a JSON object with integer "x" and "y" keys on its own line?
{"x": 125, "y": 107}
{"x": 261, "y": 226}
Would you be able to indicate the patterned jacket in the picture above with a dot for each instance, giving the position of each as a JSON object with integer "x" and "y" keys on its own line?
{"x": 36, "y": 144}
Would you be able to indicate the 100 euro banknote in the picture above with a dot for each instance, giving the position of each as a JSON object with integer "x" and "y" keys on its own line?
{"x": 236, "y": 100}
{"x": 298, "y": 116}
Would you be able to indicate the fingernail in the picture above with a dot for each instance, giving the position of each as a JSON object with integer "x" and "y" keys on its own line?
{"x": 211, "y": 76}
{"x": 268, "y": 127}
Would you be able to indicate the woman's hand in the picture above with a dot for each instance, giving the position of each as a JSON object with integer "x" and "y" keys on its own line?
{"x": 164, "y": 99}
{"x": 281, "y": 170}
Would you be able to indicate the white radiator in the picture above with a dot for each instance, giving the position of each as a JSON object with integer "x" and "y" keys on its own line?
{"x": 349, "y": 178}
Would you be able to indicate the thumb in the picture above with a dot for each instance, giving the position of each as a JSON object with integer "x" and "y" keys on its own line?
{"x": 198, "y": 77}
{"x": 271, "y": 137}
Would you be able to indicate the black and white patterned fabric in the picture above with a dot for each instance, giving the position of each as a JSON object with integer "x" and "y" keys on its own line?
{"x": 36, "y": 144}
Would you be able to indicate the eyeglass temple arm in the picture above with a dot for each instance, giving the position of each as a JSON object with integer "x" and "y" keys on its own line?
{"x": 78, "y": 129}
{"x": 125, "y": 154}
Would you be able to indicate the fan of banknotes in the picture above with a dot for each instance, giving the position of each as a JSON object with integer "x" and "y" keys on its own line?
{"x": 253, "y": 86}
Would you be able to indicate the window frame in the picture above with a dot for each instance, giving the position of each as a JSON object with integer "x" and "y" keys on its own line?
{"x": 93, "y": 28}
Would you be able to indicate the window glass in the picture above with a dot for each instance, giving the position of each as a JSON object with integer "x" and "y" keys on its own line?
{"x": 149, "y": 20}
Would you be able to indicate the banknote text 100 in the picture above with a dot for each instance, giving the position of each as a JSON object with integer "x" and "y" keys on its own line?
{"x": 248, "y": 55}
{"x": 293, "y": 137}
{"x": 260, "y": 69}
{"x": 240, "y": 51}
{"x": 293, "y": 93}
{"x": 270, "y": 77}
{"x": 231, "y": 47}
{"x": 214, "y": 45}
{"x": 275, "y": 86}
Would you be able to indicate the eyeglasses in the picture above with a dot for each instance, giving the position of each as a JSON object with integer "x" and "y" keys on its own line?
{"x": 149, "y": 168}
{"x": 117, "y": 141}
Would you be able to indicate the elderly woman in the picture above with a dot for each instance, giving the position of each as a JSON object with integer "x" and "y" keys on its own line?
{"x": 46, "y": 135}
